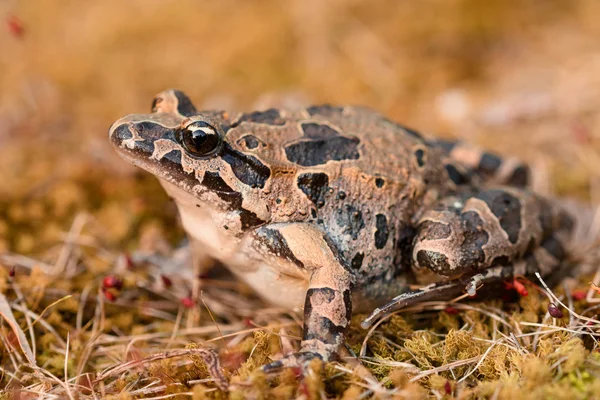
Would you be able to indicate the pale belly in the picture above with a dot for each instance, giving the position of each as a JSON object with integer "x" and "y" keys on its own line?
{"x": 276, "y": 288}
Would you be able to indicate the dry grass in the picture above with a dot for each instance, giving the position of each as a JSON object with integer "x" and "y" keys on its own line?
{"x": 520, "y": 78}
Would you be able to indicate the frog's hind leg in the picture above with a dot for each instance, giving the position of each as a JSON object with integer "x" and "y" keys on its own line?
{"x": 481, "y": 238}
{"x": 488, "y": 166}
{"x": 467, "y": 233}
{"x": 547, "y": 259}
{"x": 439, "y": 292}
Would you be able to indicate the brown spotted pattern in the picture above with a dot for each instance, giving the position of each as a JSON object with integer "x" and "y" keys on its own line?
{"x": 331, "y": 206}
{"x": 472, "y": 232}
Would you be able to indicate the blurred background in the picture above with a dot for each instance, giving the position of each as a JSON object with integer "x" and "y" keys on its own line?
{"x": 519, "y": 77}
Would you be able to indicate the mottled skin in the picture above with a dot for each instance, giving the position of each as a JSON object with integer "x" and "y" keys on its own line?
{"x": 327, "y": 207}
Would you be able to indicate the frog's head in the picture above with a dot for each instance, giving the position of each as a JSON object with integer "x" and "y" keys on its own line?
{"x": 188, "y": 151}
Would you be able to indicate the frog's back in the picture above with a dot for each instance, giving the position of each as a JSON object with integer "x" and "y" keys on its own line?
{"x": 329, "y": 137}
{"x": 360, "y": 176}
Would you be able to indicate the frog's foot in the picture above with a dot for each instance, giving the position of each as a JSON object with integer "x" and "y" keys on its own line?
{"x": 299, "y": 360}
{"x": 441, "y": 291}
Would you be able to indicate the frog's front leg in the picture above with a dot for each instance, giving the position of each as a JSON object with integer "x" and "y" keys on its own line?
{"x": 308, "y": 250}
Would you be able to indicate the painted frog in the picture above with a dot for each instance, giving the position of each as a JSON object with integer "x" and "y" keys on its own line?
{"x": 339, "y": 209}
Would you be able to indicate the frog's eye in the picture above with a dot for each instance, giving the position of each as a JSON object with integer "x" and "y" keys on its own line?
{"x": 200, "y": 139}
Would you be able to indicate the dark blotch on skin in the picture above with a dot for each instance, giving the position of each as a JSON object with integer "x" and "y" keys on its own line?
{"x": 444, "y": 144}
{"x": 420, "y": 154}
{"x": 530, "y": 246}
{"x": 324, "y": 109}
{"x": 507, "y": 209}
{"x": 322, "y": 295}
{"x": 434, "y": 261}
{"x": 475, "y": 237}
{"x": 357, "y": 261}
{"x": 314, "y": 186}
{"x": 382, "y": 232}
{"x": 120, "y": 134}
{"x": 213, "y": 182}
{"x": 554, "y": 247}
{"x": 348, "y": 304}
{"x": 250, "y": 141}
{"x": 324, "y": 330}
{"x": 275, "y": 241}
{"x": 403, "y": 248}
{"x": 565, "y": 221}
{"x": 351, "y": 219}
{"x": 379, "y": 182}
{"x": 318, "y": 131}
{"x": 184, "y": 105}
{"x": 469, "y": 255}
{"x": 249, "y": 219}
{"x": 269, "y": 117}
{"x": 247, "y": 169}
{"x": 432, "y": 230}
{"x": 149, "y": 131}
{"x": 500, "y": 261}
{"x": 317, "y": 326}
{"x": 489, "y": 163}
{"x": 319, "y": 151}
{"x": 546, "y": 218}
{"x": 519, "y": 177}
{"x": 455, "y": 175}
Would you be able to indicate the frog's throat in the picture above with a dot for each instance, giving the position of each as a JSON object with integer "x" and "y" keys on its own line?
{"x": 208, "y": 219}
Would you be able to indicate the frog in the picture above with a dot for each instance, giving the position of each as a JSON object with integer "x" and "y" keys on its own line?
{"x": 338, "y": 210}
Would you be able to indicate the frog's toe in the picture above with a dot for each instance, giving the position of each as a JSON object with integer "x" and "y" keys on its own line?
{"x": 298, "y": 360}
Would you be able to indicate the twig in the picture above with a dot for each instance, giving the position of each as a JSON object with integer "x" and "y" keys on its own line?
{"x": 208, "y": 356}
{"x": 446, "y": 367}
{"x": 480, "y": 361}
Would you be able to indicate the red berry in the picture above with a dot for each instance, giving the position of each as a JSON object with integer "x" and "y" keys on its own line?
{"x": 11, "y": 273}
{"x": 15, "y": 26}
{"x": 129, "y": 261}
{"x": 166, "y": 281}
{"x": 187, "y": 302}
{"x": 579, "y": 295}
{"x": 554, "y": 311}
{"x": 299, "y": 373}
{"x": 508, "y": 285}
{"x": 110, "y": 296}
{"x": 520, "y": 288}
{"x": 451, "y": 310}
{"x": 112, "y": 281}
{"x": 448, "y": 387}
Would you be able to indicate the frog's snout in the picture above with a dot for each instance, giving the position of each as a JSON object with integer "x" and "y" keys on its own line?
{"x": 119, "y": 132}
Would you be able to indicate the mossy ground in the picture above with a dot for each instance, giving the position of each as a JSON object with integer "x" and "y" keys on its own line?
{"x": 518, "y": 77}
